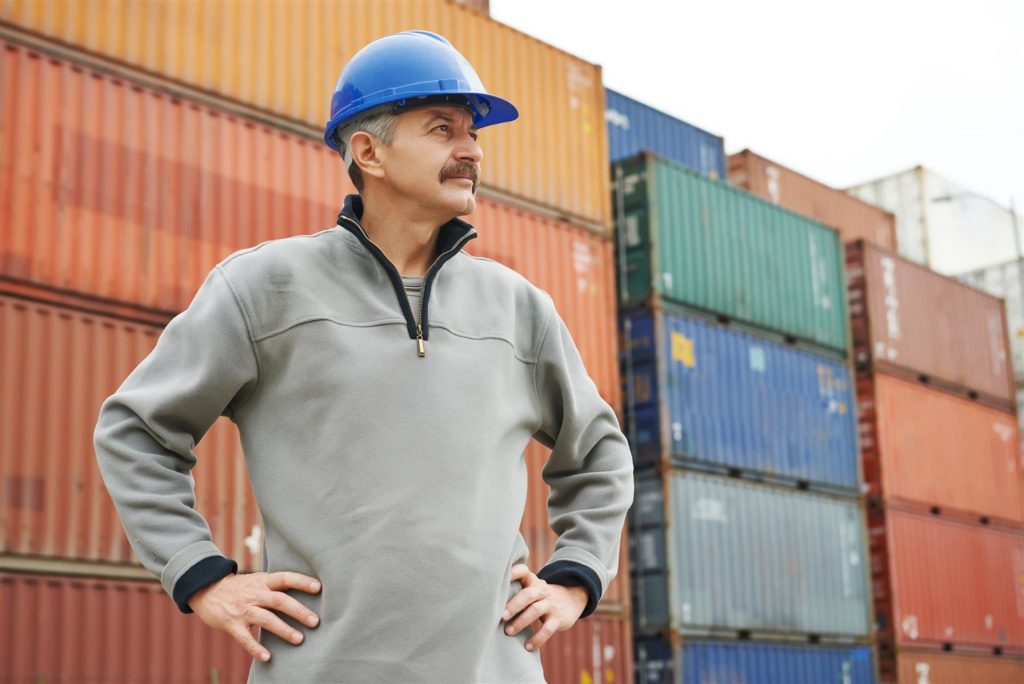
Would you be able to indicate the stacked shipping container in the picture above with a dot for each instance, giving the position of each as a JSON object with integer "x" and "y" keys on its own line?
{"x": 939, "y": 443}
{"x": 747, "y": 531}
{"x": 853, "y": 218}
{"x": 108, "y": 228}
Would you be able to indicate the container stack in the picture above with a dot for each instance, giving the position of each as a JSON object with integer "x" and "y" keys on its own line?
{"x": 131, "y": 168}
{"x": 854, "y": 218}
{"x": 939, "y": 447}
{"x": 1006, "y": 280}
{"x": 747, "y": 536}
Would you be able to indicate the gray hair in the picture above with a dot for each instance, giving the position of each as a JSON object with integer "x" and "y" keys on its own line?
{"x": 379, "y": 123}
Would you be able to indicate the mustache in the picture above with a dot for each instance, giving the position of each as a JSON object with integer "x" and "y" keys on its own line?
{"x": 459, "y": 170}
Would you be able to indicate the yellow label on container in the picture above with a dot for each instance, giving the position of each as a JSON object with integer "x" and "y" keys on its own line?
{"x": 682, "y": 350}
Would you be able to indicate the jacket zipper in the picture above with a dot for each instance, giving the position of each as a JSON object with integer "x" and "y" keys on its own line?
{"x": 420, "y": 348}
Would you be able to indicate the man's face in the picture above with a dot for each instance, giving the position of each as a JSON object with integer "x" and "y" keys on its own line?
{"x": 435, "y": 159}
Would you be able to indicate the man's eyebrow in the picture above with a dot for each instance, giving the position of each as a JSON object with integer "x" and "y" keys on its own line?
{"x": 445, "y": 117}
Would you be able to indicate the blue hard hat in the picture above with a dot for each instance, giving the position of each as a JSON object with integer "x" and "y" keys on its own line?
{"x": 409, "y": 69}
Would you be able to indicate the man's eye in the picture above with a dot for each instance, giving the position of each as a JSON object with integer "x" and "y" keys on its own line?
{"x": 474, "y": 135}
{"x": 441, "y": 126}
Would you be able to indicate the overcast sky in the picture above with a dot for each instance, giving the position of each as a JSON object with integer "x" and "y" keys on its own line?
{"x": 841, "y": 91}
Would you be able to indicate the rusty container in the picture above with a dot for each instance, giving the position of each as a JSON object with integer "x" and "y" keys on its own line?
{"x": 854, "y": 218}
{"x": 939, "y": 667}
{"x": 58, "y": 365}
{"x": 598, "y": 648}
{"x": 907, "y": 320}
{"x": 82, "y": 630}
{"x": 929, "y": 449}
{"x": 281, "y": 60}
{"x": 103, "y": 630}
{"x": 945, "y": 584}
{"x": 91, "y": 204}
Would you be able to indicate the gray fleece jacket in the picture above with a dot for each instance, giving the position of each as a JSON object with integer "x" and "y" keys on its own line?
{"x": 386, "y": 456}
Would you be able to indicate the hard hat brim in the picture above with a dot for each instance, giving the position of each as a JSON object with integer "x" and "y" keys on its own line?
{"x": 499, "y": 110}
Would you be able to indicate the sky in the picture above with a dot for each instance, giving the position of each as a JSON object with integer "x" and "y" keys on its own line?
{"x": 844, "y": 92}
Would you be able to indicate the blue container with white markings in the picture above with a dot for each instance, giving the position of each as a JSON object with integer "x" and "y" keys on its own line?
{"x": 746, "y": 662}
{"x": 634, "y": 127}
{"x": 726, "y": 399}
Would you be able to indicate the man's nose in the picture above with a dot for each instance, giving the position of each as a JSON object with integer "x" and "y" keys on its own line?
{"x": 469, "y": 150}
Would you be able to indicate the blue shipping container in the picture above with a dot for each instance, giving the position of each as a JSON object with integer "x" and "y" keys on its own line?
{"x": 744, "y": 662}
{"x": 721, "y": 555}
{"x": 714, "y": 395}
{"x": 634, "y": 127}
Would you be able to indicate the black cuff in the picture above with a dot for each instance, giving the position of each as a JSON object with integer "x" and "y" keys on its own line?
{"x": 202, "y": 574}
{"x": 573, "y": 574}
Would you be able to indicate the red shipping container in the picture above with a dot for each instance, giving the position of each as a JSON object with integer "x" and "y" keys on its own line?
{"x": 598, "y": 648}
{"x": 910, "y": 321}
{"x": 129, "y": 195}
{"x": 937, "y": 667}
{"x": 941, "y": 583}
{"x": 853, "y": 218}
{"x": 101, "y": 630}
{"x": 81, "y": 629}
{"x": 58, "y": 365}
{"x": 927, "y": 448}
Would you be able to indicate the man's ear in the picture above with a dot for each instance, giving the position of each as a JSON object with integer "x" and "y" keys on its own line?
{"x": 364, "y": 153}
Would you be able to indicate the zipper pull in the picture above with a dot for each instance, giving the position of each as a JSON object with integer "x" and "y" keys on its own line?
{"x": 419, "y": 341}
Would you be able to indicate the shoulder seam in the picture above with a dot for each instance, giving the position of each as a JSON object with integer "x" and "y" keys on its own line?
{"x": 249, "y": 331}
{"x": 253, "y": 248}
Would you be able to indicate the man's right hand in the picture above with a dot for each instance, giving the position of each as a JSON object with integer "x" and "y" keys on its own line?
{"x": 238, "y": 605}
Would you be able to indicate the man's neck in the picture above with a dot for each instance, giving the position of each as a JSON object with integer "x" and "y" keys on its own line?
{"x": 406, "y": 235}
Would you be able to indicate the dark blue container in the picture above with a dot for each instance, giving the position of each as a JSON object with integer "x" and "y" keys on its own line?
{"x": 745, "y": 662}
{"x": 634, "y": 127}
{"x": 717, "y": 396}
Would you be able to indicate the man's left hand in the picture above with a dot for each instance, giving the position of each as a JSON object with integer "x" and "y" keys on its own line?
{"x": 557, "y": 607}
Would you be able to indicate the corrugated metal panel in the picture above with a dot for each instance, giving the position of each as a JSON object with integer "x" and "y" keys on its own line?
{"x": 936, "y": 667}
{"x": 284, "y": 58}
{"x": 909, "y": 320}
{"x": 1004, "y": 280}
{"x": 596, "y": 649}
{"x": 713, "y": 396}
{"x": 940, "y": 583}
{"x": 540, "y": 538}
{"x": 925, "y": 447}
{"x": 58, "y": 366}
{"x": 745, "y": 662}
{"x": 852, "y": 217}
{"x": 940, "y": 224}
{"x": 747, "y": 557}
{"x": 74, "y": 629}
{"x": 634, "y": 127}
{"x": 708, "y": 245}
{"x": 94, "y": 206}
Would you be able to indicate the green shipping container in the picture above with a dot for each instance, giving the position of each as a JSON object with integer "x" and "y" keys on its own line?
{"x": 713, "y": 247}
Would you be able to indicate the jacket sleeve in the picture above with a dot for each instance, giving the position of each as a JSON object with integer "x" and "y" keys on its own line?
{"x": 590, "y": 470}
{"x": 203, "y": 366}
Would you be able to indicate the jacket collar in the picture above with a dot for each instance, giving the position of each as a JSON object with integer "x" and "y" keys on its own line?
{"x": 451, "y": 232}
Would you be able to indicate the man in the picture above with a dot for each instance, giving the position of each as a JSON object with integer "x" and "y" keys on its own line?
{"x": 385, "y": 384}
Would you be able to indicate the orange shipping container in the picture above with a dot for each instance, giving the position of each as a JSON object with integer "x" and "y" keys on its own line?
{"x": 91, "y": 201}
{"x": 945, "y": 584}
{"x": 598, "y": 648}
{"x": 924, "y": 447}
{"x": 910, "y": 321}
{"x": 853, "y": 218}
{"x": 283, "y": 58}
{"x": 937, "y": 667}
{"x": 58, "y": 365}
{"x": 100, "y": 630}
{"x": 80, "y": 629}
